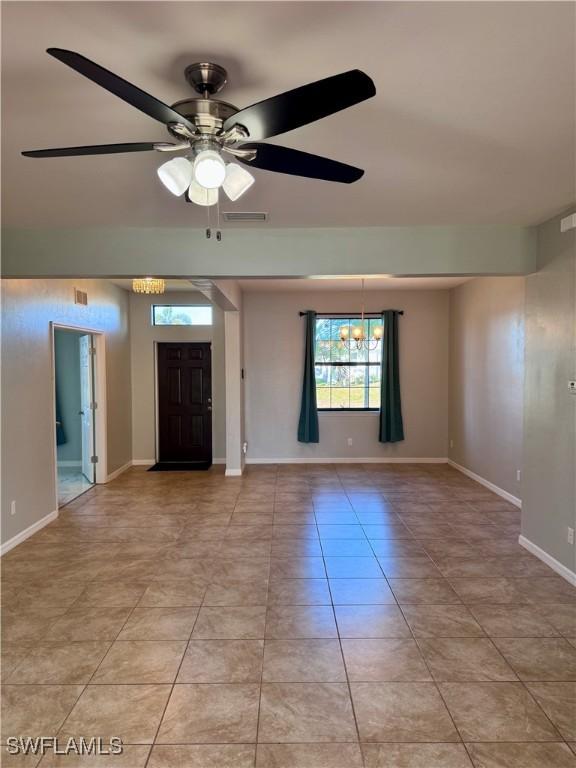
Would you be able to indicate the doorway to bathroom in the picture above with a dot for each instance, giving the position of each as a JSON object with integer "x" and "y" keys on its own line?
{"x": 74, "y": 410}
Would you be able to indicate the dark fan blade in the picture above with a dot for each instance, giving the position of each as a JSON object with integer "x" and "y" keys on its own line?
{"x": 97, "y": 149}
{"x": 120, "y": 87}
{"x": 271, "y": 157}
{"x": 303, "y": 105}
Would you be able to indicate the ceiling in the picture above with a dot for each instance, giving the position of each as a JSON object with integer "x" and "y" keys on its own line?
{"x": 473, "y": 121}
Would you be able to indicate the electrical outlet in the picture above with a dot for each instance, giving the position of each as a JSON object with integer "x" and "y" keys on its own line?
{"x": 244, "y": 448}
{"x": 570, "y": 536}
{"x": 350, "y": 441}
{"x": 12, "y": 507}
{"x": 518, "y": 475}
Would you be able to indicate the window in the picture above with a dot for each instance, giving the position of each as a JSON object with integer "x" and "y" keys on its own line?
{"x": 180, "y": 314}
{"x": 346, "y": 378}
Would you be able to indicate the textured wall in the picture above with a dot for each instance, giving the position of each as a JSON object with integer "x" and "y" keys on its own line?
{"x": 273, "y": 353}
{"x": 28, "y": 308}
{"x": 487, "y": 378}
{"x": 549, "y": 498}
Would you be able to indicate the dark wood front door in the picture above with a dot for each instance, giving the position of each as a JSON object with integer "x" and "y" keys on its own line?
{"x": 185, "y": 402}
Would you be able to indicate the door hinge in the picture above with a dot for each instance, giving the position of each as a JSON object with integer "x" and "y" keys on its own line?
{"x": 93, "y": 406}
{"x": 94, "y": 459}
{"x": 92, "y": 350}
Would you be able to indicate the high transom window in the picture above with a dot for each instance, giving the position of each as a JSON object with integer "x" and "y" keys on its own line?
{"x": 346, "y": 378}
{"x": 181, "y": 314}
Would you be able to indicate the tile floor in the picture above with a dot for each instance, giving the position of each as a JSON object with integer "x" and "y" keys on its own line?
{"x": 71, "y": 483}
{"x": 299, "y": 617}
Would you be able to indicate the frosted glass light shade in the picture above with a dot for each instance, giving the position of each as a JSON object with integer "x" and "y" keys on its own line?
{"x": 377, "y": 332}
{"x": 209, "y": 169}
{"x": 237, "y": 181}
{"x": 176, "y": 175}
{"x": 201, "y": 195}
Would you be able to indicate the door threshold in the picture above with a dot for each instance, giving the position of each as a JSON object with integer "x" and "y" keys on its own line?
{"x": 181, "y": 466}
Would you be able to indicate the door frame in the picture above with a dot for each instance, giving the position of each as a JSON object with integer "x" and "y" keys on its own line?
{"x": 156, "y": 391}
{"x": 100, "y": 422}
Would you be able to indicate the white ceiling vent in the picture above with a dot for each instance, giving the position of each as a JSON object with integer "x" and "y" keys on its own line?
{"x": 245, "y": 216}
{"x": 80, "y": 297}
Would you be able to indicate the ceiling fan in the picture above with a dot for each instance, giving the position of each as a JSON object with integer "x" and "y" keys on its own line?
{"x": 205, "y": 128}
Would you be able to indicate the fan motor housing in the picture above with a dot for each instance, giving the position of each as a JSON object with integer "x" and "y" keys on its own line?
{"x": 207, "y": 114}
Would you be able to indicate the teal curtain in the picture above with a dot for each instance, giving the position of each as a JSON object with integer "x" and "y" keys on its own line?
{"x": 308, "y": 431}
{"x": 391, "y": 427}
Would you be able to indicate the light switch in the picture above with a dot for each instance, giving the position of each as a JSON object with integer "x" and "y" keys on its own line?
{"x": 572, "y": 387}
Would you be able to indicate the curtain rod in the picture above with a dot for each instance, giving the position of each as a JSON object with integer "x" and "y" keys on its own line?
{"x": 351, "y": 314}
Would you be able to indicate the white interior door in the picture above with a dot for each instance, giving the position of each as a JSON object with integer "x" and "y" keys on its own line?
{"x": 86, "y": 410}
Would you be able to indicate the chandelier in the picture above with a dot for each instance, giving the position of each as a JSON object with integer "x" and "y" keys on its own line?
{"x": 358, "y": 339}
{"x": 148, "y": 285}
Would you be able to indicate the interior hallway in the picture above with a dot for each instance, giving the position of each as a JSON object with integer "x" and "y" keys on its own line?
{"x": 300, "y": 616}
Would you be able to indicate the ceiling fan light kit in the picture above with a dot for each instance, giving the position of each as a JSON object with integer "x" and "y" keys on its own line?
{"x": 204, "y": 128}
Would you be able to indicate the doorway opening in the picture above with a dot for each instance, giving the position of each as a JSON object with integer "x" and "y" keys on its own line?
{"x": 74, "y": 408}
{"x": 184, "y": 405}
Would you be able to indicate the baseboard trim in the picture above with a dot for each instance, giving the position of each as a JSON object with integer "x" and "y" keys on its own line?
{"x": 351, "y": 460}
{"x": 118, "y": 472}
{"x": 233, "y": 473}
{"x": 143, "y": 462}
{"x": 27, "y": 532}
{"x": 69, "y": 463}
{"x": 487, "y": 484}
{"x": 556, "y": 565}
{"x": 218, "y": 461}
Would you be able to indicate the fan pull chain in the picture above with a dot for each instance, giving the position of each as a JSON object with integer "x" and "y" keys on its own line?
{"x": 208, "y": 230}
{"x": 218, "y": 232}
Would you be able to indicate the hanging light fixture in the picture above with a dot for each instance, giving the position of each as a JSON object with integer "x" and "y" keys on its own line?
{"x": 148, "y": 285}
{"x": 358, "y": 339}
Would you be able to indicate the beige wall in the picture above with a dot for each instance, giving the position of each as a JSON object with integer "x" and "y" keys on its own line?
{"x": 487, "y": 378}
{"x": 143, "y": 337}
{"x": 29, "y": 306}
{"x": 549, "y": 499}
{"x": 274, "y": 348}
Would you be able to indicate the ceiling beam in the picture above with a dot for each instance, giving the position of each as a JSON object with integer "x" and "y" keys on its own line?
{"x": 186, "y": 253}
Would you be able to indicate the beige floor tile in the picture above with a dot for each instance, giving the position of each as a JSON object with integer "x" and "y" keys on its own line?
{"x": 230, "y": 623}
{"x": 130, "y": 712}
{"x": 513, "y": 621}
{"x": 554, "y": 589}
{"x": 89, "y": 624}
{"x": 423, "y": 591}
{"x": 521, "y": 756}
{"x": 299, "y": 592}
{"x": 353, "y": 568}
{"x": 222, "y": 661}
{"x": 36, "y": 710}
{"x": 558, "y": 700}
{"x": 465, "y": 659}
{"x": 59, "y": 663}
{"x": 107, "y": 595}
{"x": 361, "y": 592}
{"x": 174, "y": 594}
{"x": 401, "y": 712}
{"x": 384, "y": 661}
{"x": 441, "y": 621}
{"x": 308, "y": 755}
{"x": 218, "y": 714}
{"x": 496, "y": 712}
{"x": 223, "y": 592}
{"x": 496, "y": 591}
{"x": 408, "y": 567}
{"x": 415, "y": 756}
{"x": 132, "y": 756}
{"x": 26, "y": 625}
{"x": 141, "y": 662}
{"x": 306, "y": 712}
{"x": 297, "y": 568}
{"x": 539, "y": 658}
{"x": 300, "y": 621}
{"x": 11, "y": 654}
{"x": 562, "y": 616}
{"x": 159, "y": 624}
{"x": 365, "y": 621}
{"x": 203, "y": 756}
{"x": 295, "y": 661}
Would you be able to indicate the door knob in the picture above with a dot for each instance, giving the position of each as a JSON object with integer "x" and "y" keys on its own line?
{"x": 209, "y": 408}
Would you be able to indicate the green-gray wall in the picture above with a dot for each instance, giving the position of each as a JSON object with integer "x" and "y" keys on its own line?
{"x": 549, "y": 487}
